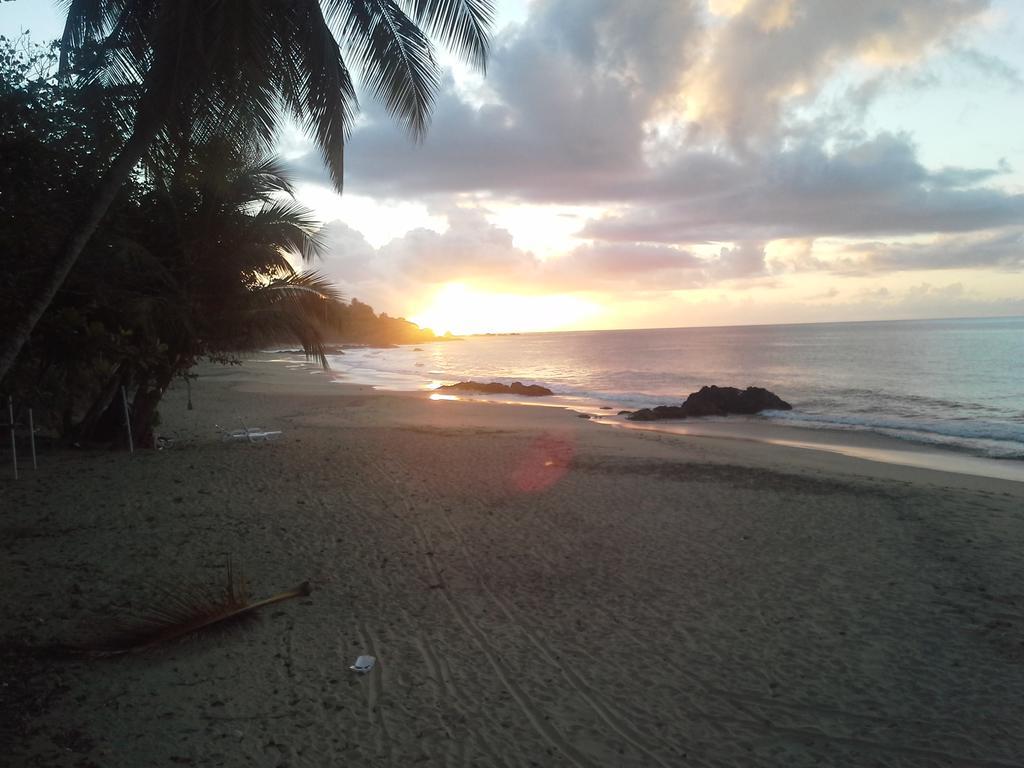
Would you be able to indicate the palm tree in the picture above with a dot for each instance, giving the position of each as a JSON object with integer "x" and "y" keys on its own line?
{"x": 206, "y": 271}
{"x": 242, "y": 66}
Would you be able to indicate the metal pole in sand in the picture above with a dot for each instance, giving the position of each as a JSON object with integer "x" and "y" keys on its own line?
{"x": 32, "y": 438}
{"x": 127, "y": 421}
{"x": 14, "y": 445}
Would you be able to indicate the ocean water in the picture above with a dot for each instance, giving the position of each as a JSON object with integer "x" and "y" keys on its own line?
{"x": 953, "y": 383}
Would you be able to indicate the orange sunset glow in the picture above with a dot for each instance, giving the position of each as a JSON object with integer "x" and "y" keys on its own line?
{"x": 464, "y": 310}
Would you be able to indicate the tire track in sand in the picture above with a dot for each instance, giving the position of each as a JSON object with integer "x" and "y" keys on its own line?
{"x": 755, "y": 723}
{"x": 526, "y": 704}
{"x": 605, "y": 712}
{"x": 446, "y": 693}
{"x": 374, "y": 694}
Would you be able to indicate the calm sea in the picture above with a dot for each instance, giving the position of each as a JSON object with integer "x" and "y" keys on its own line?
{"x": 956, "y": 383}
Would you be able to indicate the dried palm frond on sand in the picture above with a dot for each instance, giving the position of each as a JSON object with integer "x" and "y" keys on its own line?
{"x": 183, "y": 612}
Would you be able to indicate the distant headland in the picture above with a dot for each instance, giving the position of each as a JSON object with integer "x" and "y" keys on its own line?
{"x": 357, "y": 323}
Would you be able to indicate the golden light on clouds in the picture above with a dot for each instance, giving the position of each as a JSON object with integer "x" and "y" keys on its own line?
{"x": 462, "y": 310}
{"x": 378, "y": 221}
{"x": 778, "y": 15}
{"x": 767, "y": 14}
{"x": 544, "y": 230}
{"x": 726, "y": 7}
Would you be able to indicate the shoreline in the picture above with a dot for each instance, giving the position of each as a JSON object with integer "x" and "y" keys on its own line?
{"x": 966, "y": 399}
{"x": 860, "y": 444}
{"x": 867, "y": 446}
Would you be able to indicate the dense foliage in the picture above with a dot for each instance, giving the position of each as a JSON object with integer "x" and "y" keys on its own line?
{"x": 203, "y": 70}
{"x": 361, "y": 325}
{"x": 195, "y": 257}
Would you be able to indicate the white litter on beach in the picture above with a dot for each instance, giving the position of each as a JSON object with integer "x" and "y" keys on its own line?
{"x": 249, "y": 434}
{"x": 363, "y": 664}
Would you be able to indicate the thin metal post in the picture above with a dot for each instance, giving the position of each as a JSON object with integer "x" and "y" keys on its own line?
{"x": 14, "y": 445}
{"x": 32, "y": 438}
{"x": 127, "y": 420}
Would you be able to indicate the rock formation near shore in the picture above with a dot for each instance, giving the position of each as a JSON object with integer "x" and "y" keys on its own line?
{"x": 716, "y": 401}
{"x": 494, "y": 388}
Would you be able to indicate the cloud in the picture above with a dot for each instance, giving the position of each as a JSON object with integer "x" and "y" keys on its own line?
{"x": 744, "y": 260}
{"x": 625, "y": 266}
{"x": 577, "y": 90}
{"x": 991, "y": 66}
{"x": 474, "y": 251}
{"x": 831, "y": 293}
{"x": 771, "y": 53}
{"x": 1003, "y": 250}
{"x": 471, "y": 248}
{"x": 873, "y": 188}
{"x": 680, "y": 124}
{"x": 570, "y": 93}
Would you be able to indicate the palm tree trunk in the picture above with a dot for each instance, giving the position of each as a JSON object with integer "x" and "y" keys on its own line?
{"x": 86, "y": 431}
{"x": 144, "y": 408}
{"x": 142, "y": 136}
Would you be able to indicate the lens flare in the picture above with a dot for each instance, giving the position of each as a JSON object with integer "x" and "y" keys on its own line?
{"x": 543, "y": 464}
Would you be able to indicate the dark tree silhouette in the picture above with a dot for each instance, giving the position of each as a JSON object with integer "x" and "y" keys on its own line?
{"x": 239, "y": 68}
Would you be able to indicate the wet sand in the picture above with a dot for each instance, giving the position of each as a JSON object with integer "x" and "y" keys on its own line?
{"x": 538, "y": 589}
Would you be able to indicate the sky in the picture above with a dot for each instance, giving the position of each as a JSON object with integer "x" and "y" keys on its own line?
{"x": 690, "y": 162}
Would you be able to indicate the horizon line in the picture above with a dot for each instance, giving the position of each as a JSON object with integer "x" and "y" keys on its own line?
{"x": 742, "y": 325}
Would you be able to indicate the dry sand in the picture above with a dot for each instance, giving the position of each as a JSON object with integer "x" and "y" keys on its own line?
{"x": 537, "y": 589}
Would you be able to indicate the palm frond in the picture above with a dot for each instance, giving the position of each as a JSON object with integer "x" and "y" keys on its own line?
{"x": 235, "y": 67}
{"x": 86, "y": 20}
{"x": 307, "y": 284}
{"x": 299, "y": 306}
{"x": 293, "y": 227}
{"x": 241, "y": 51}
{"x": 317, "y": 86}
{"x": 271, "y": 176}
{"x": 185, "y": 612}
{"x": 461, "y": 25}
{"x": 118, "y": 31}
{"x": 394, "y": 56}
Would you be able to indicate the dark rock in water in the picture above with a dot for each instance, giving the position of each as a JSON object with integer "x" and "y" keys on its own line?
{"x": 721, "y": 401}
{"x": 658, "y": 412}
{"x": 716, "y": 401}
{"x": 418, "y": 349}
{"x": 584, "y": 416}
{"x": 623, "y": 413}
{"x": 494, "y": 388}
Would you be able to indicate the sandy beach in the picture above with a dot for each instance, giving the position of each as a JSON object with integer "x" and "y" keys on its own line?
{"x": 537, "y": 589}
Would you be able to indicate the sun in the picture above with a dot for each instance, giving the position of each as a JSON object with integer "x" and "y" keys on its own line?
{"x": 463, "y": 310}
